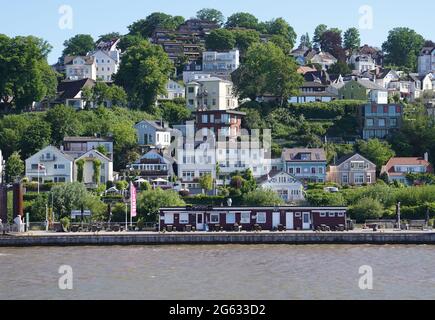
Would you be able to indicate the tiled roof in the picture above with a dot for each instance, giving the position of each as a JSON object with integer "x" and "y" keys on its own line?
{"x": 405, "y": 161}
{"x": 70, "y": 89}
{"x": 294, "y": 154}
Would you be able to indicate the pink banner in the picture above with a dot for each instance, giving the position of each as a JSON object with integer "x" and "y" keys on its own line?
{"x": 133, "y": 200}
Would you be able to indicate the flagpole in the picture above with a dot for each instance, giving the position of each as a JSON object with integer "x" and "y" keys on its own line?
{"x": 38, "y": 177}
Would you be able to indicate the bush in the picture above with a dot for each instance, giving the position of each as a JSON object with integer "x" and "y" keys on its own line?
{"x": 366, "y": 209}
{"x": 65, "y": 223}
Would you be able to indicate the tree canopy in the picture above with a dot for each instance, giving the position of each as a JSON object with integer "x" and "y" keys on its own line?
{"x": 146, "y": 27}
{"x": 26, "y": 76}
{"x": 79, "y": 45}
{"x": 212, "y": 15}
{"x": 220, "y": 40}
{"x": 352, "y": 40}
{"x": 144, "y": 72}
{"x": 375, "y": 150}
{"x": 242, "y": 20}
{"x": 403, "y": 47}
{"x": 267, "y": 70}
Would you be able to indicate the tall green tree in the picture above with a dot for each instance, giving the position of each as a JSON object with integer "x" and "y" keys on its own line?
{"x": 267, "y": 70}
{"x": 352, "y": 40}
{"x": 150, "y": 202}
{"x": 129, "y": 40}
{"x": 282, "y": 28}
{"x": 242, "y": 20}
{"x": 146, "y": 27}
{"x": 109, "y": 36}
{"x": 67, "y": 197}
{"x": 14, "y": 167}
{"x": 144, "y": 73}
{"x": 220, "y": 40}
{"x": 175, "y": 113}
{"x": 79, "y": 45}
{"x": 377, "y": 151}
{"x": 206, "y": 182}
{"x": 331, "y": 41}
{"x": 318, "y": 32}
{"x": 340, "y": 68}
{"x": 26, "y": 76}
{"x": 305, "y": 41}
{"x": 403, "y": 47}
{"x": 262, "y": 198}
{"x": 245, "y": 38}
{"x": 212, "y": 15}
{"x": 38, "y": 136}
{"x": 63, "y": 122}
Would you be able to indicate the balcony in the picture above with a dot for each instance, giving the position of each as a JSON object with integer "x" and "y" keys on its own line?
{"x": 45, "y": 158}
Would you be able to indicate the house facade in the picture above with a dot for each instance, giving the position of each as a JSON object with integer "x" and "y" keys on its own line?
{"x": 306, "y": 164}
{"x": 174, "y": 90}
{"x": 151, "y": 133}
{"x": 220, "y": 62}
{"x": 78, "y": 146}
{"x": 268, "y": 218}
{"x": 95, "y": 169}
{"x": 224, "y": 123}
{"x": 107, "y": 60}
{"x": 50, "y": 165}
{"x": 285, "y": 185}
{"x": 426, "y": 61}
{"x": 397, "y": 168}
{"x": 153, "y": 165}
{"x": 352, "y": 170}
{"x": 211, "y": 93}
{"x": 379, "y": 120}
{"x": 385, "y": 77}
{"x": 362, "y": 63}
{"x": 80, "y": 67}
{"x": 69, "y": 93}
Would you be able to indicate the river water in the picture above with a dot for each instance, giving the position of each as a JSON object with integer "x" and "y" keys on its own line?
{"x": 229, "y": 272}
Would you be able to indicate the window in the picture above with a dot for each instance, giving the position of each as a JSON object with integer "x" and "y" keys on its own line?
{"x": 393, "y": 122}
{"x": 169, "y": 218}
{"x": 369, "y": 122}
{"x": 291, "y": 170}
{"x": 298, "y": 170}
{"x": 231, "y": 218}
{"x": 359, "y": 179}
{"x": 298, "y": 214}
{"x": 190, "y": 89}
{"x": 261, "y": 217}
{"x": 322, "y": 214}
{"x": 345, "y": 178}
{"x": 59, "y": 166}
{"x": 320, "y": 169}
{"x": 184, "y": 218}
{"x": 381, "y": 122}
{"x": 369, "y": 178}
{"x": 313, "y": 170}
{"x": 331, "y": 214}
{"x": 204, "y": 118}
{"x": 191, "y": 102}
{"x": 245, "y": 217}
{"x": 340, "y": 214}
{"x": 214, "y": 218}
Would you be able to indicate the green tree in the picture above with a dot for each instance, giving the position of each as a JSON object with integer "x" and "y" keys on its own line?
{"x": 63, "y": 122}
{"x": 102, "y": 93}
{"x": 12, "y": 130}
{"x": 26, "y": 75}
{"x": 37, "y": 137}
{"x": 262, "y": 198}
{"x": 282, "y": 28}
{"x": 220, "y": 40}
{"x": 403, "y": 47}
{"x": 352, "y": 40}
{"x": 331, "y": 41}
{"x": 305, "y": 41}
{"x": 144, "y": 73}
{"x": 365, "y": 209}
{"x": 282, "y": 43}
{"x": 150, "y": 202}
{"x": 318, "y": 32}
{"x": 206, "y": 182}
{"x": 67, "y": 197}
{"x": 242, "y": 20}
{"x": 146, "y": 27}
{"x": 375, "y": 150}
{"x": 175, "y": 113}
{"x": 39, "y": 207}
{"x": 14, "y": 167}
{"x": 97, "y": 170}
{"x": 109, "y": 36}
{"x": 340, "y": 68}
{"x": 129, "y": 40}
{"x": 212, "y": 15}
{"x": 79, "y": 45}
{"x": 80, "y": 169}
{"x": 267, "y": 70}
{"x": 245, "y": 38}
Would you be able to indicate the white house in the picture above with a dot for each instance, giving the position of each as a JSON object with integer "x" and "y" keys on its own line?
{"x": 220, "y": 62}
{"x": 89, "y": 162}
{"x": 211, "y": 93}
{"x": 384, "y": 78}
{"x": 107, "y": 60}
{"x": 79, "y": 67}
{"x": 50, "y": 165}
{"x": 173, "y": 90}
{"x": 151, "y": 133}
{"x": 362, "y": 62}
{"x": 426, "y": 61}
{"x": 287, "y": 186}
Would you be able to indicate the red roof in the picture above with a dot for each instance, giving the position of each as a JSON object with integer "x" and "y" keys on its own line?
{"x": 406, "y": 161}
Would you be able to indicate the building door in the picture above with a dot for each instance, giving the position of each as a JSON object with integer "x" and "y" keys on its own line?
{"x": 276, "y": 219}
{"x": 200, "y": 222}
{"x": 306, "y": 221}
{"x": 289, "y": 221}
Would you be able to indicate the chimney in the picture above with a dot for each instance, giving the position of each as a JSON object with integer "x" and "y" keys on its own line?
{"x": 426, "y": 156}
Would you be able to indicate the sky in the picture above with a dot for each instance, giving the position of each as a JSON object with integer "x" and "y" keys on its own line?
{"x": 374, "y": 18}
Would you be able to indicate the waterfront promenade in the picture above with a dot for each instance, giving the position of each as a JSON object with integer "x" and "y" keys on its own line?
{"x": 154, "y": 238}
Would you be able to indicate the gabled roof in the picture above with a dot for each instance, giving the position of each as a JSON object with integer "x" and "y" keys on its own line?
{"x": 94, "y": 151}
{"x": 426, "y": 51}
{"x": 370, "y": 85}
{"x": 152, "y": 124}
{"x": 385, "y": 72}
{"x": 88, "y": 59}
{"x": 350, "y": 156}
{"x": 405, "y": 161}
{"x": 69, "y": 89}
{"x": 272, "y": 174}
{"x": 294, "y": 154}
{"x": 54, "y": 150}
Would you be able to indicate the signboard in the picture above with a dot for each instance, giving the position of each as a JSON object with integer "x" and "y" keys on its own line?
{"x": 133, "y": 200}
{"x": 77, "y": 214}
